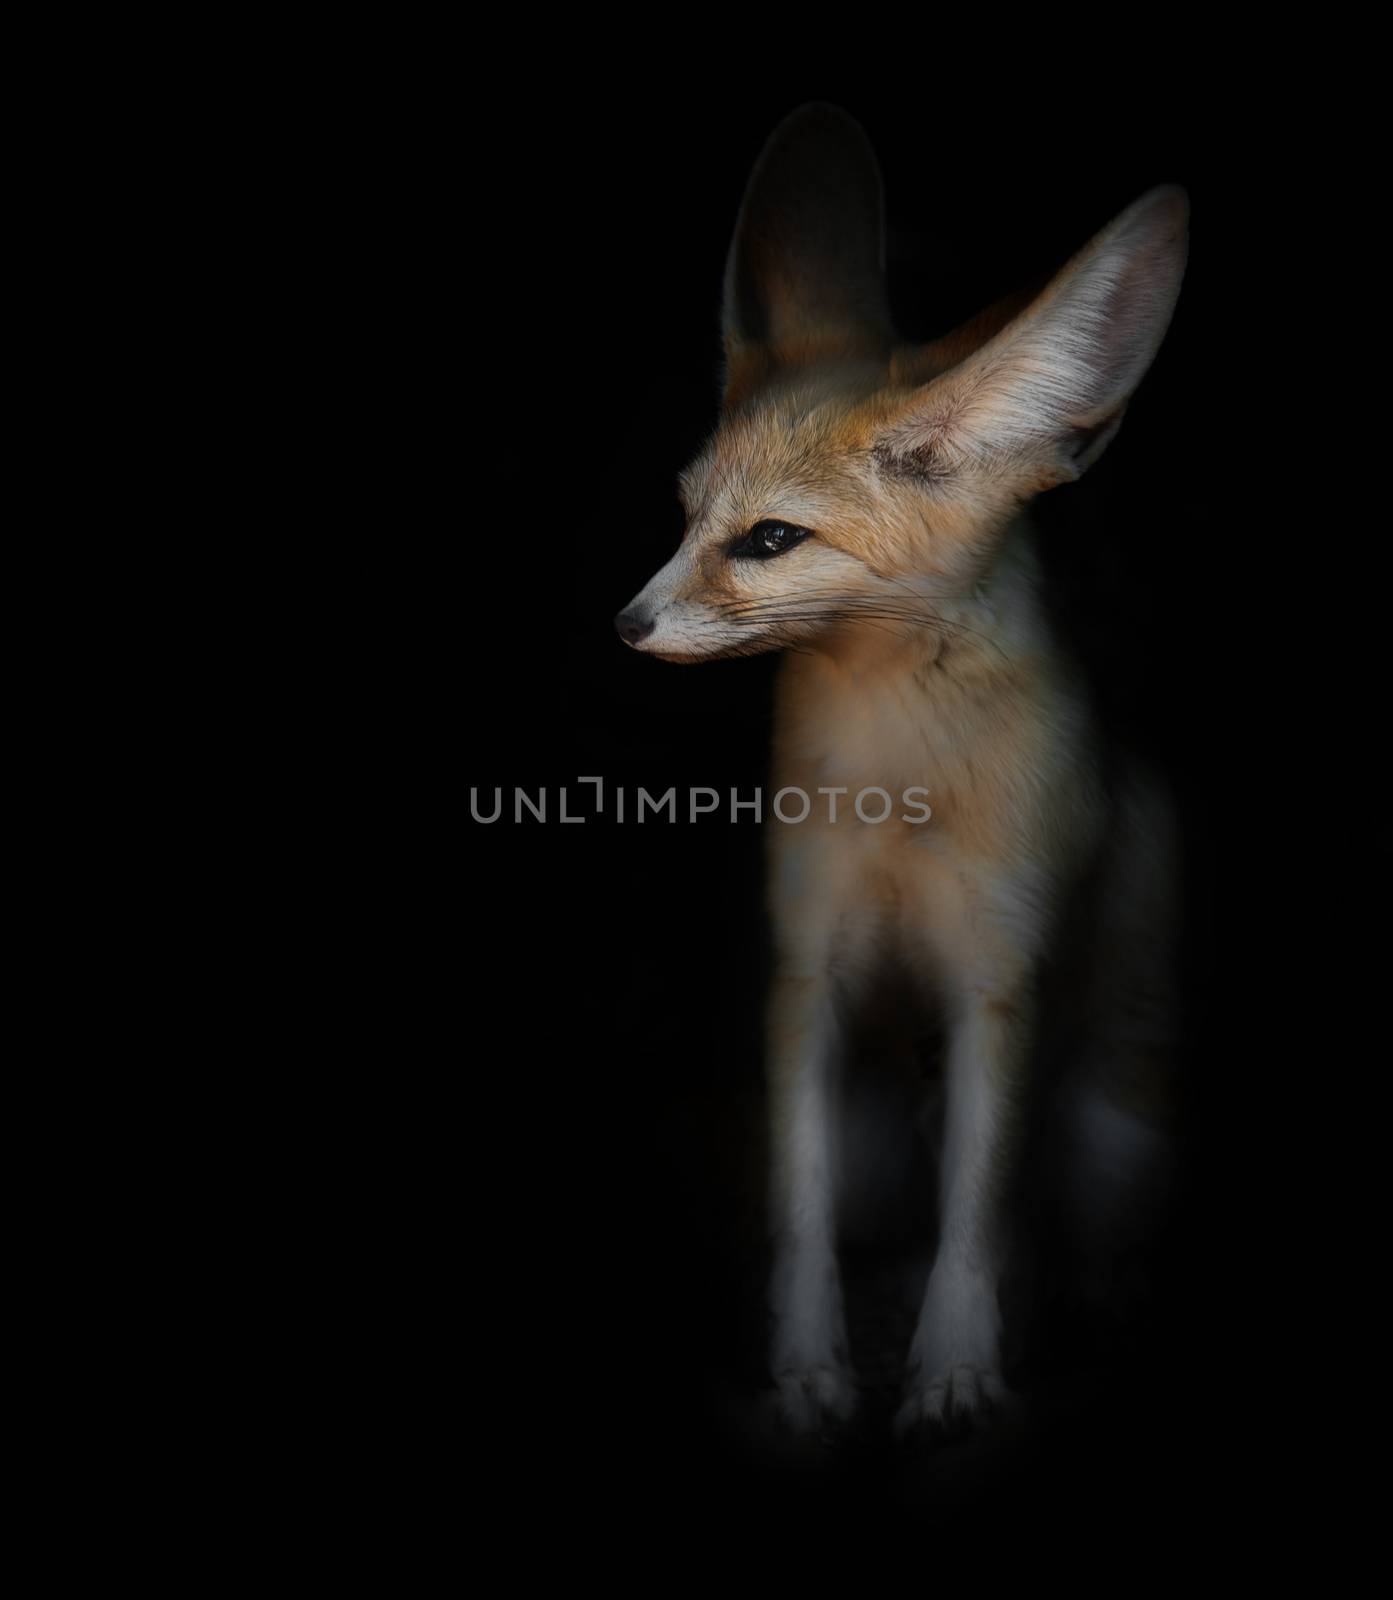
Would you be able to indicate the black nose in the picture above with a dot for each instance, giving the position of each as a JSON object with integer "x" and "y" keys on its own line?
{"x": 633, "y": 628}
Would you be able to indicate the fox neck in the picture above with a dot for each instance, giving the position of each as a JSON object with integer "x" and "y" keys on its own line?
{"x": 968, "y": 638}
{"x": 894, "y": 705}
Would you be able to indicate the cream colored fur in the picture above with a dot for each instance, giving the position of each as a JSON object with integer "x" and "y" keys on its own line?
{"x": 919, "y": 654}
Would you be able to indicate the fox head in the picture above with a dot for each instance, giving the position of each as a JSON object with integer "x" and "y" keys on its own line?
{"x": 852, "y": 478}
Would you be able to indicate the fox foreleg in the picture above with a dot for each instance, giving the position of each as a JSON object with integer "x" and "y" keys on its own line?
{"x": 954, "y": 1361}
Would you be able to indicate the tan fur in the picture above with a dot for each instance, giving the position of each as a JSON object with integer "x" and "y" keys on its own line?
{"x": 919, "y": 656}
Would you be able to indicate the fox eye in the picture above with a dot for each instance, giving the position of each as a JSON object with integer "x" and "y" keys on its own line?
{"x": 768, "y": 539}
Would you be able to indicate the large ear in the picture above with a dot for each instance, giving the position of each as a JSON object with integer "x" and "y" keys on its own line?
{"x": 1047, "y": 391}
{"x": 805, "y": 275}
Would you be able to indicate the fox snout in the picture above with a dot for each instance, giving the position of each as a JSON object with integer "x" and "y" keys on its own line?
{"x": 633, "y": 624}
{"x": 668, "y": 618}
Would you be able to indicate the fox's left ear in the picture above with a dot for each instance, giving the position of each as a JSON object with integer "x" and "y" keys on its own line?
{"x": 805, "y": 273}
{"x": 1047, "y": 392}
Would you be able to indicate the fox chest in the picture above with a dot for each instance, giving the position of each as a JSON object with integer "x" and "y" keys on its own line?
{"x": 927, "y": 841}
{"x": 907, "y": 785}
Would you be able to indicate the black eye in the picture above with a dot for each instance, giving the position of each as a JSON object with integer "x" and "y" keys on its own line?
{"x": 768, "y": 539}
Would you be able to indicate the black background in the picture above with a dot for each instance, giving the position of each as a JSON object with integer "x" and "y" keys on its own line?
{"x": 579, "y": 1193}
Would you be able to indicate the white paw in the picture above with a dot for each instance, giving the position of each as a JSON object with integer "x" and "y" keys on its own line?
{"x": 814, "y": 1398}
{"x": 953, "y": 1403}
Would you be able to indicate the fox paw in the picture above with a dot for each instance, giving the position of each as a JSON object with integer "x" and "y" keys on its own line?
{"x": 815, "y": 1399}
{"x": 952, "y": 1404}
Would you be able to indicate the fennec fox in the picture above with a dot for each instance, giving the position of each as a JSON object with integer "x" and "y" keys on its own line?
{"x": 861, "y": 505}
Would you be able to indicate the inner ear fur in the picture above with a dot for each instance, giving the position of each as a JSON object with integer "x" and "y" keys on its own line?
{"x": 1047, "y": 383}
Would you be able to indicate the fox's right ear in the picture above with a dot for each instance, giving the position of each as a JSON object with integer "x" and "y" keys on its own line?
{"x": 805, "y": 275}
